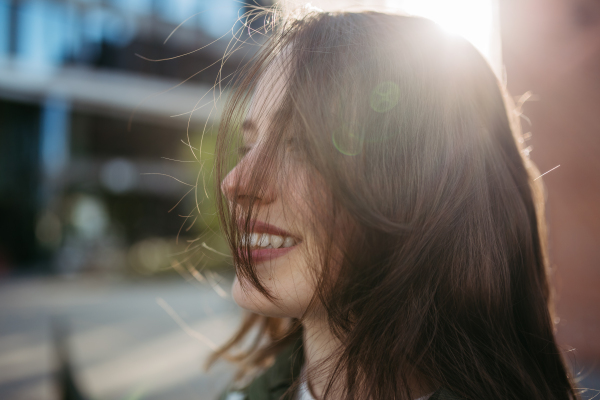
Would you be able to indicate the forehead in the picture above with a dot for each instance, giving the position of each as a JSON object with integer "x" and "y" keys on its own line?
{"x": 267, "y": 99}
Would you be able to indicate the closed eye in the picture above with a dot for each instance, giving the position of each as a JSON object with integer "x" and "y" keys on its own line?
{"x": 242, "y": 151}
{"x": 292, "y": 144}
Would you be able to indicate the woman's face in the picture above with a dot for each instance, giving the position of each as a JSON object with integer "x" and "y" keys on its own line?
{"x": 280, "y": 238}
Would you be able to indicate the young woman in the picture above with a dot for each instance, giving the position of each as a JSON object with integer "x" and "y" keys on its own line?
{"x": 386, "y": 226}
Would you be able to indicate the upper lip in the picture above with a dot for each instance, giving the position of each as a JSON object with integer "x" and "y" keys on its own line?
{"x": 262, "y": 227}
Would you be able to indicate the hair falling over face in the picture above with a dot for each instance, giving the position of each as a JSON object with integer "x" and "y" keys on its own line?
{"x": 429, "y": 240}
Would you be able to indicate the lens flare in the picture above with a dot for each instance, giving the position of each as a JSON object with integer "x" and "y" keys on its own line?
{"x": 384, "y": 97}
{"x": 346, "y": 141}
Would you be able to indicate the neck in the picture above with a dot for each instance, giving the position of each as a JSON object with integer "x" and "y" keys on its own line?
{"x": 320, "y": 347}
{"x": 320, "y": 350}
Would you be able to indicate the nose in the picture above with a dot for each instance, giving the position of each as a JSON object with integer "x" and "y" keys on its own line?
{"x": 242, "y": 187}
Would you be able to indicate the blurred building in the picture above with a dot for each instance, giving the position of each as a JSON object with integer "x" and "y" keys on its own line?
{"x": 86, "y": 109}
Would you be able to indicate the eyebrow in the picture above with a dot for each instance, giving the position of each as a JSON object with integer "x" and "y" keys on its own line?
{"x": 249, "y": 126}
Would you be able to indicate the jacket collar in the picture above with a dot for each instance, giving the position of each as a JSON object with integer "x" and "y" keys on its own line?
{"x": 274, "y": 383}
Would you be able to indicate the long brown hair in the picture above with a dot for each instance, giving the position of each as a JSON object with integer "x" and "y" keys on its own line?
{"x": 443, "y": 270}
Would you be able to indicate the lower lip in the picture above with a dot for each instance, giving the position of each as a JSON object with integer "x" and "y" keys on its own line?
{"x": 262, "y": 255}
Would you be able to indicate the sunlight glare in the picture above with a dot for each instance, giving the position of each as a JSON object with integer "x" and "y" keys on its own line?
{"x": 475, "y": 20}
{"x": 472, "y": 19}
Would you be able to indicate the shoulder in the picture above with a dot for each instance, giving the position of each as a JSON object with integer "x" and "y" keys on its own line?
{"x": 262, "y": 392}
{"x": 275, "y": 382}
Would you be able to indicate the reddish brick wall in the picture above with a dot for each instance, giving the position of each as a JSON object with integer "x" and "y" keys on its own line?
{"x": 552, "y": 48}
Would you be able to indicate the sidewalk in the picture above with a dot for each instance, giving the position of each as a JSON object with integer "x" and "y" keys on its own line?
{"x": 123, "y": 342}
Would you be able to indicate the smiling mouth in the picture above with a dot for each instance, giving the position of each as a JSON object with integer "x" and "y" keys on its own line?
{"x": 267, "y": 242}
{"x": 266, "y": 247}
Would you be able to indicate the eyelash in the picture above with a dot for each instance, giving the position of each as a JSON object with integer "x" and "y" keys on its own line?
{"x": 242, "y": 151}
{"x": 291, "y": 144}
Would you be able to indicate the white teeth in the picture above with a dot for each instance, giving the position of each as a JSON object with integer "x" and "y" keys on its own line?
{"x": 267, "y": 241}
{"x": 276, "y": 241}
{"x": 254, "y": 239}
{"x": 264, "y": 240}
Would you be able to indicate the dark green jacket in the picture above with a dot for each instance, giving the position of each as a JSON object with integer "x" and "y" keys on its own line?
{"x": 274, "y": 382}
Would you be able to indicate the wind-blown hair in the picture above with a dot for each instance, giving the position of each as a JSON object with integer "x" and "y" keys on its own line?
{"x": 431, "y": 256}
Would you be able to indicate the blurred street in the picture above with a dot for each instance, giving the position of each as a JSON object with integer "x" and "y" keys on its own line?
{"x": 123, "y": 343}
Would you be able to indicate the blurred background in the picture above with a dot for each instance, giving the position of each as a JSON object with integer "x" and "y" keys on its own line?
{"x": 107, "y": 231}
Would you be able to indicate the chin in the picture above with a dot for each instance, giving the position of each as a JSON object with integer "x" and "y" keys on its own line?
{"x": 254, "y": 301}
